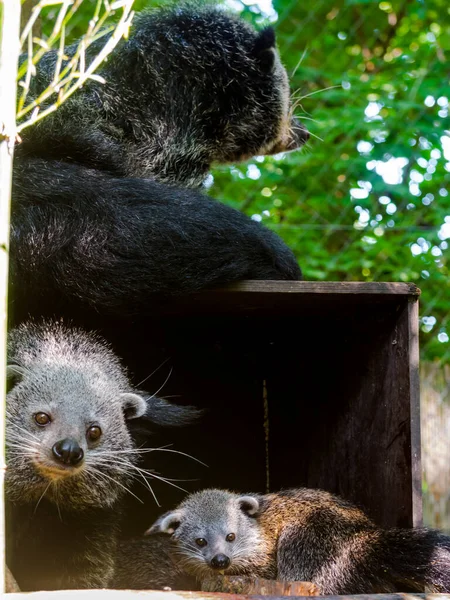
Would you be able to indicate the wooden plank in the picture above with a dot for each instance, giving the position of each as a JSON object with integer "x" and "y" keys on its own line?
{"x": 158, "y": 595}
{"x": 319, "y": 287}
{"x": 258, "y": 586}
{"x": 414, "y": 393}
{"x": 293, "y": 297}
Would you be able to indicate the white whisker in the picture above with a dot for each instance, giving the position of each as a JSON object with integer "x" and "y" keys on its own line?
{"x": 331, "y": 87}
{"x": 43, "y": 494}
{"x": 153, "y": 372}
{"x": 299, "y": 62}
{"x": 168, "y": 482}
{"x": 165, "y": 381}
{"x": 128, "y": 470}
{"x": 22, "y": 429}
{"x": 93, "y": 469}
{"x": 160, "y": 449}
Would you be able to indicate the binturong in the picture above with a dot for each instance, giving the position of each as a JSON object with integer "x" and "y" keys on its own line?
{"x": 103, "y": 221}
{"x": 70, "y": 454}
{"x": 302, "y": 535}
{"x": 193, "y": 85}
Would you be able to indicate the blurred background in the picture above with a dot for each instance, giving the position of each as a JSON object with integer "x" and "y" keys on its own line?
{"x": 368, "y": 198}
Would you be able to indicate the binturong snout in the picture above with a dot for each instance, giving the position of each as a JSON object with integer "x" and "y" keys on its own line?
{"x": 220, "y": 562}
{"x": 293, "y": 135}
{"x": 298, "y": 133}
{"x": 68, "y": 452}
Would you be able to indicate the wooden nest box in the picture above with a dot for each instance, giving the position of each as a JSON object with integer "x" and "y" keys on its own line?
{"x": 305, "y": 384}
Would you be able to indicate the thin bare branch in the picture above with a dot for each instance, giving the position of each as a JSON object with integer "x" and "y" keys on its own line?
{"x": 70, "y": 72}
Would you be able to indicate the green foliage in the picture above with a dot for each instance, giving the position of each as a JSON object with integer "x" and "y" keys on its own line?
{"x": 343, "y": 220}
{"x": 389, "y": 61}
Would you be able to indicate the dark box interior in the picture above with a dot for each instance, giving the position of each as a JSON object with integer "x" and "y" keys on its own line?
{"x": 305, "y": 384}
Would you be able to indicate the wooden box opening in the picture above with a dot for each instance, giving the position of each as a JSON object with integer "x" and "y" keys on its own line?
{"x": 303, "y": 384}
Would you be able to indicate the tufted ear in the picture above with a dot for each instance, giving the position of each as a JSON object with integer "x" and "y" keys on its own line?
{"x": 264, "y": 48}
{"x": 163, "y": 413}
{"x": 14, "y": 375}
{"x": 167, "y": 523}
{"x": 249, "y": 505}
{"x": 133, "y": 405}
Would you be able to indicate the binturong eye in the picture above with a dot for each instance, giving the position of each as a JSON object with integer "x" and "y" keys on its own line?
{"x": 230, "y": 537}
{"x": 93, "y": 433}
{"x": 42, "y": 419}
{"x": 201, "y": 542}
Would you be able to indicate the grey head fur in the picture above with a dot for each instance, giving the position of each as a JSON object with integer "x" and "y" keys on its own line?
{"x": 73, "y": 378}
{"x": 215, "y": 531}
{"x": 193, "y": 85}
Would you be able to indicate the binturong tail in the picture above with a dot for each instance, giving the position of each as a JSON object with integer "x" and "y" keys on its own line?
{"x": 416, "y": 558}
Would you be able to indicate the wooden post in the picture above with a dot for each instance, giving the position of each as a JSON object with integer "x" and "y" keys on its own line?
{"x": 9, "y": 53}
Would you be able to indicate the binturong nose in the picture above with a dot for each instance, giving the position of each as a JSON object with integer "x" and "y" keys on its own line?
{"x": 68, "y": 452}
{"x": 299, "y": 134}
{"x": 220, "y": 562}
{"x": 293, "y": 135}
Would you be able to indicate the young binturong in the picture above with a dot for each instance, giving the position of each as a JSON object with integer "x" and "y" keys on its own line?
{"x": 302, "y": 535}
{"x": 70, "y": 454}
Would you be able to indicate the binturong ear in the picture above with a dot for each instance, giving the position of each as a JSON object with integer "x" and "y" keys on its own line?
{"x": 264, "y": 48}
{"x": 163, "y": 413}
{"x": 14, "y": 375}
{"x": 167, "y": 523}
{"x": 133, "y": 405}
{"x": 249, "y": 505}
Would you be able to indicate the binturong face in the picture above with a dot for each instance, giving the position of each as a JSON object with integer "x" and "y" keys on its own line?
{"x": 204, "y": 87}
{"x": 214, "y": 531}
{"x": 192, "y": 86}
{"x": 68, "y": 411}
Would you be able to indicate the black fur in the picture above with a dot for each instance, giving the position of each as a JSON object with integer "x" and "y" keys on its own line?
{"x": 146, "y": 564}
{"x": 410, "y": 559}
{"x": 51, "y": 548}
{"x": 89, "y": 235}
{"x": 362, "y": 559}
{"x": 84, "y": 240}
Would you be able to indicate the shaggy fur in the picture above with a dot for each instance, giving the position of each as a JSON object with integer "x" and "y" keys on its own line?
{"x": 304, "y": 535}
{"x": 84, "y": 240}
{"x": 92, "y": 231}
{"x": 63, "y": 518}
{"x": 191, "y": 86}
